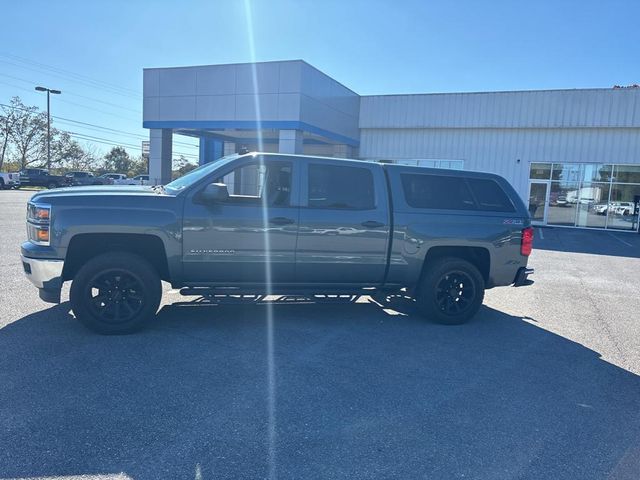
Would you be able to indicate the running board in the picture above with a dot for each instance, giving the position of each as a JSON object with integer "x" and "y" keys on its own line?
{"x": 284, "y": 290}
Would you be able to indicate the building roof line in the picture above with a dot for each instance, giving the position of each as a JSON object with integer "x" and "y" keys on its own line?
{"x": 598, "y": 89}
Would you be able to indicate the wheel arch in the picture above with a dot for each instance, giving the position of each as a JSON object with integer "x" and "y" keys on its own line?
{"x": 85, "y": 246}
{"x": 477, "y": 256}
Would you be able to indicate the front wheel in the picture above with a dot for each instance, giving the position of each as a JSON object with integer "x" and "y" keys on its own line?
{"x": 52, "y": 185}
{"x": 115, "y": 293}
{"x": 451, "y": 291}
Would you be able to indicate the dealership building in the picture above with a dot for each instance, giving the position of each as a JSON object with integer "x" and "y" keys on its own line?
{"x": 572, "y": 155}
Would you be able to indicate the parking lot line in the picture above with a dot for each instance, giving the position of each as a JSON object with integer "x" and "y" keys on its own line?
{"x": 620, "y": 240}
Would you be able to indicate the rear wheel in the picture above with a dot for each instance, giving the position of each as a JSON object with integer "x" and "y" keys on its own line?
{"x": 451, "y": 291}
{"x": 52, "y": 185}
{"x": 115, "y": 293}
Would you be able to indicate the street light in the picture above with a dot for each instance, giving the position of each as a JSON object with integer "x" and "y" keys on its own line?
{"x": 49, "y": 92}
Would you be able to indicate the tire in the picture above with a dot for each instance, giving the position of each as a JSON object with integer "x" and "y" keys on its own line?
{"x": 439, "y": 296}
{"x": 116, "y": 293}
{"x": 52, "y": 185}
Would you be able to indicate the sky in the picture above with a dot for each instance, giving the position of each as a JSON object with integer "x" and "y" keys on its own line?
{"x": 94, "y": 51}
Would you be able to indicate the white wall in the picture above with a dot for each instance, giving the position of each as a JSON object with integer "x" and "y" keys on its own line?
{"x": 492, "y": 131}
{"x": 497, "y": 150}
{"x": 527, "y": 109}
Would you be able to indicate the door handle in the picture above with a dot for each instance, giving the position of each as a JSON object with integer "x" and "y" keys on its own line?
{"x": 281, "y": 221}
{"x": 372, "y": 224}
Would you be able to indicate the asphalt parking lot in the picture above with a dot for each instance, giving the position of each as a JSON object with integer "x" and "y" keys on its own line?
{"x": 544, "y": 383}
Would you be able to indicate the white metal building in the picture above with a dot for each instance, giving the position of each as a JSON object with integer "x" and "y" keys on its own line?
{"x": 574, "y": 155}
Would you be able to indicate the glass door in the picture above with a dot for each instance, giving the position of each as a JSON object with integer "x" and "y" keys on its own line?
{"x": 538, "y": 201}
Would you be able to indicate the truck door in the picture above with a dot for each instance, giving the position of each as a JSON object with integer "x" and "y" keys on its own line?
{"x": 234, "y": 241}
{"x": 344, "y": 223}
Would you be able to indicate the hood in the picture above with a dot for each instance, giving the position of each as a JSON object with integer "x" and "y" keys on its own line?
{"x": 98, "y": 190}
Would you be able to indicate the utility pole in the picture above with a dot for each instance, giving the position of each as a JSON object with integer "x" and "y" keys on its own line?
{"x": 49, "y": 92}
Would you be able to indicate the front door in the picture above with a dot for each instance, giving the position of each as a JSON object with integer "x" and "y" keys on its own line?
{"x": 344, "y": 224}
{"x": 249, "y": 238}
{"x": 538, "y": 202}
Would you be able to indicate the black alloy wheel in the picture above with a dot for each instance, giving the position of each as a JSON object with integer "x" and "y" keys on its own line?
{"x": 451, "y": 291}
{"x": 455, "y": 292}
{"x": 115, "y": 293}
{"x": 116, "y": 296}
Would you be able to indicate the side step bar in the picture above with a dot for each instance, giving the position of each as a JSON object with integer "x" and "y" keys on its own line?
{"x": 289, "y": 291}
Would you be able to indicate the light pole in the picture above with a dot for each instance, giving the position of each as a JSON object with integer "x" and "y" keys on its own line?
{"x": 49, "y": 92}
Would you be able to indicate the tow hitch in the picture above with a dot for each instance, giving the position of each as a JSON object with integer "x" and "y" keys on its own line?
{"x": 521, "y": 277}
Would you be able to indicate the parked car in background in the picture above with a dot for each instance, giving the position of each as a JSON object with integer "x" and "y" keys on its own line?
{"x": 119, "y": 179}
{"x": 40, "y": 177}
{"x": 624, "y": 208}
{"x": 9, "y": 180}
{"x": 602, "y": 208}
{"x": 85, "y": 178}
{"x": 141, "y": 180}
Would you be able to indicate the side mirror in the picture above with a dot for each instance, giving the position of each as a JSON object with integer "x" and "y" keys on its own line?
{"x": 214, "y": 192}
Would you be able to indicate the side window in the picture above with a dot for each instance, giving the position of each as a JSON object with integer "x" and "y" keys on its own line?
{"x": 437, "y": 191}
{"x": 490, "y": 196}
{"x": 333, "y": 186}
{"x": 256, "y": 183}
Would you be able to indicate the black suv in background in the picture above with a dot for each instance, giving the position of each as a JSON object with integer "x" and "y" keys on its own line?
{"x": 40, "y": 177}
{"x": 86, "y": 178}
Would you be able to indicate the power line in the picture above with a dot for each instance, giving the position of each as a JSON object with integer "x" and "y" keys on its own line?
{"x": 72, "y": 76}
{"x": 87, "y": 125}
{"x": 111, "y": 90}
{"x": 110, "y": 142}
{"x": 16, "y": 86}
{"x": 67, "y": 92}
{"x": 122, "y": 132}
{"x": 71, "y": 103}
{"x": 94, "y": 109}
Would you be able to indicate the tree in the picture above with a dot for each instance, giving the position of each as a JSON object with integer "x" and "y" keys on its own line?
{"x": 140, "y": 166}
{"x": 182, "y": 166}
{"x": 28, "y": 133}
{"x": 6, "y": 124}
{"x": 69, "y": 154}
{"x": 118, "y": 160}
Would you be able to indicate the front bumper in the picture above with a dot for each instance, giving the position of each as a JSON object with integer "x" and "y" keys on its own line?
{"x": 46, "y": 275}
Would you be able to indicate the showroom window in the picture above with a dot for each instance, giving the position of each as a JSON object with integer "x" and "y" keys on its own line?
{"x": 429, "y": 163}
{"x": 589, "y": 195}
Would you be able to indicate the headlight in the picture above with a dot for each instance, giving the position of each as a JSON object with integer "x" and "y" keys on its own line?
{"x": 38, "y": 222}
{"x": 38, "y": 212}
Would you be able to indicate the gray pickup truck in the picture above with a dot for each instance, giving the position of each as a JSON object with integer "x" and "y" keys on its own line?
{"x": 279, "y": 224}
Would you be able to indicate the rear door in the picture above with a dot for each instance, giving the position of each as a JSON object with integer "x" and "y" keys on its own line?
{"x": 344, "y": 223}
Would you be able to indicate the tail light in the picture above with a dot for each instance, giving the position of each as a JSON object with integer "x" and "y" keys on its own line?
{"x": 527, "y": 241}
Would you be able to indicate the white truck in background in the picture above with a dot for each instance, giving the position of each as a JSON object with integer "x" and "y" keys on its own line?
{"x": 122, "y": 179}
{"x": 119, "y": 179}
{"x": 9, "y": 180}
{"x": 585, "y": 195}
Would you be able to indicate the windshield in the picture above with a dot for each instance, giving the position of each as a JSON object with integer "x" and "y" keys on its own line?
{"x": 198, "y": 174}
